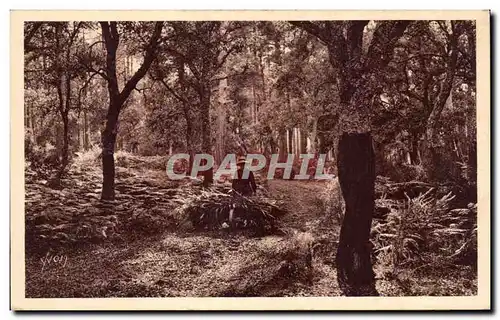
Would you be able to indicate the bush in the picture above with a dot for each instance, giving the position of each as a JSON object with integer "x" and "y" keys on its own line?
{"x": 332, "y": 201}
{"x": 57, "y": 228}
{"x": 40, "y": 158}
{"x": 211, "y": 210}
{"x": 404, "y": 172}
{"x": 88, "y": 158}
{"x": 422, "y": 231}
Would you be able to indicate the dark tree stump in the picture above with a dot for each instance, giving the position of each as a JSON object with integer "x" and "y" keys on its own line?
{"x": 356, "y": 171}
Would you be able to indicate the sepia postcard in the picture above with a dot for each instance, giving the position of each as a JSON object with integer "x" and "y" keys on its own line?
{"x": 250, "y": 160}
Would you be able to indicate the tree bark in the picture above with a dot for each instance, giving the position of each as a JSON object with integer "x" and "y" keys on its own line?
{"x": 289, "y": 132}
{"x": 303, "y": 140}
{"x": 312, "y": 137}
{"x": 117, "y": 98}
{"x": 282, "y": 147}
{"x": 108, "y": 140}
{"x": 85, "y": 131}
{"x": 67, "y": 106}
{"x": 415, "y": 137}
{"x": 356, "y": 171}
{"x": 430, "y": 154}
{"x": 186, "y": 112}
{"x": 206, "y": 140}
{"x": 65, "y": 147}
{"x": 64, "y": 106}
{"x": 356, "y": 81}
{"x": 189, "y": 146}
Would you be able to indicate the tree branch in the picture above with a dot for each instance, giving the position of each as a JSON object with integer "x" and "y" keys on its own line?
{"x": 85, "y": 84}
{"x": 189, "y": 63}
{"x": 223, "y": 59}
{"x": 447, "y": 83}
{"x": 385, "y": 37}
{"x": 172, "y": 91}
{"x": 30, "y": 35}
{"x": 355, "y": 38}
{"x": 245, "y": 68}
{"x": 143, "y": 69}
{"x": 313, "y": 29}
{"x": 111, "y": 47}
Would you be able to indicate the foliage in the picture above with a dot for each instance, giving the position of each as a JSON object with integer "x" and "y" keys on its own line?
{"x": 424, "y": 231}
{"x": 210, "y": 209}
{"x": 274, "y": 79}
{"x": 40, "y": 158}
{"x": 88, "y": 158}
{"x": 331, "y": 200}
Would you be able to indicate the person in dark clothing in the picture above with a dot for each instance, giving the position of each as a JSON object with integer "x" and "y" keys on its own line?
{"x": 244, "y": 186}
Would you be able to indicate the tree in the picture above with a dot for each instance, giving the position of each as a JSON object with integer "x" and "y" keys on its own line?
{"x": 180, "y": 90}
{"x": 357, "y": 72}
{"x": 30, "y": 29}
{"x": 118, "y": 97}
{"x": 438, "y": 101}
{"x": 55, "y": 43}
{"x": 204, "y": 48}
{"x": 433, "y": 61}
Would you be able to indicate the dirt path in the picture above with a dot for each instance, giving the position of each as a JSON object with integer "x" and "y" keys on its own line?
{"x": 199, "y": 264}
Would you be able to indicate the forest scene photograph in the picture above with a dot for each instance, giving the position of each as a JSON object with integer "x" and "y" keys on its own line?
{"x": 300, "y": 158}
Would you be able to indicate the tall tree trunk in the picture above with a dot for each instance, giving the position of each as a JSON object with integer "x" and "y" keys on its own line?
{"x": 282, "y": 156}
{"x": 355, "y": 156}
{"x": 221, "y": 122}
{"x": 108, "y": 139}
{"x": 312, "y": 137}
{"x": 296, "y": 141}
{"x": 206, "y": 140}
{"x": 64, "y": 106}
{"x": 356, "y": 172}
{"x": 65, "y": 147}
{"x": 415, "y": 137}
{"x": 34, "y": 129}
{"x": 186, "y": 112}
{"x": 303, "y": 141}
{"x": 27, "y": 115}
{"x": 117, "y": 98}
{"x": 430, "y": 145}
{"x": 189, "y": 145}
{"x": 289, "y": 133}
{"x": 85, "y": 131}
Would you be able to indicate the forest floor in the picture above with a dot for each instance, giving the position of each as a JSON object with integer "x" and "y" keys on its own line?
{"x": 176, "y": 262}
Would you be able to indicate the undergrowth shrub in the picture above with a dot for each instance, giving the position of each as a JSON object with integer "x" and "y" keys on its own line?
{"x": 211, "y": 209}
{"x": 404, "y": 172}
{"x": 88, "y": 158}
{"x": 331, "y": 200}
{"x": 40, "y": 158}
{"x": 423, "y": 231}
{"x": 50, "y": 228}
{"x": 126, "y": 159}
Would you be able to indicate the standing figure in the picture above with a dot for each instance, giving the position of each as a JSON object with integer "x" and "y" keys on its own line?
{"x": 244, "y": 186}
